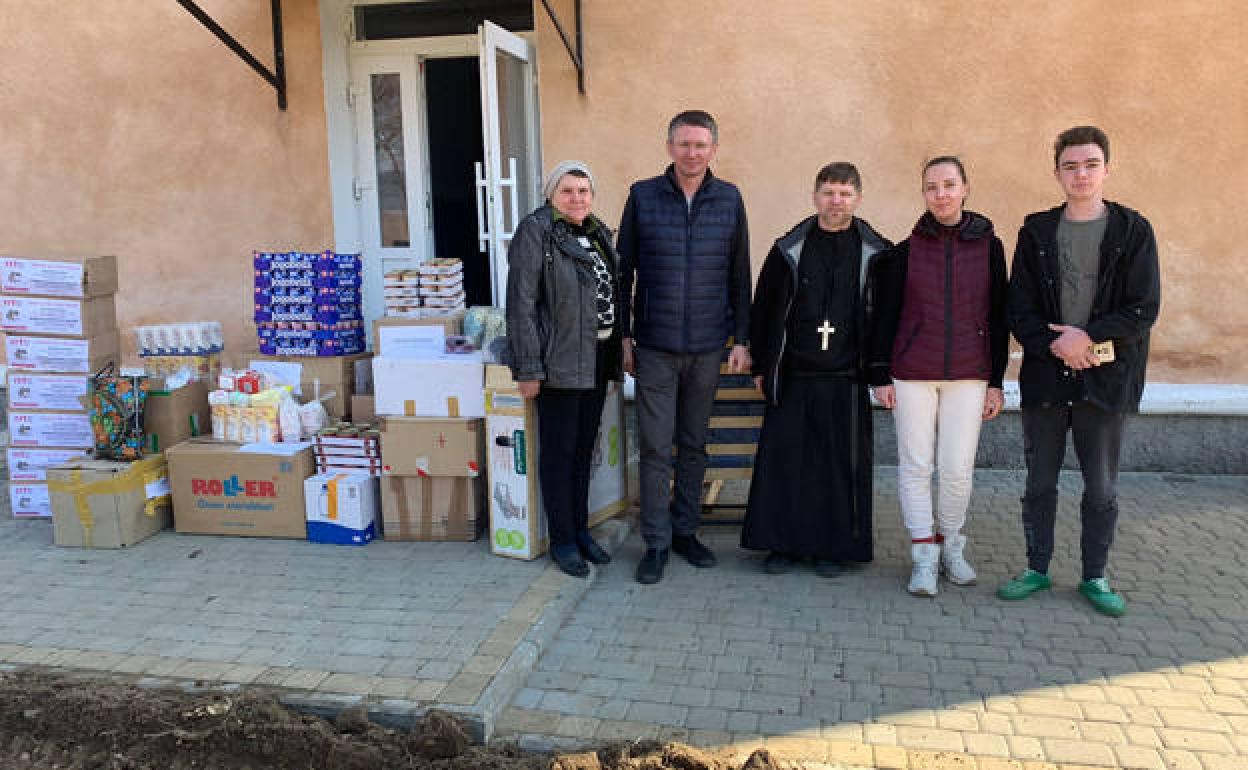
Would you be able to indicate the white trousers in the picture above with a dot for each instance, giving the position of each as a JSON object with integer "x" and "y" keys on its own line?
{"x": 939, "y": 419}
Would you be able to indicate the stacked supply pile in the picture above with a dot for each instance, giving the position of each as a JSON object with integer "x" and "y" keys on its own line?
{"x": 430, "y": 404}
{"x": 60, "y": 325}
{"x": 308, "y": 304}
{"x": 401, "y": 289}
{"x": 442, "y": 285}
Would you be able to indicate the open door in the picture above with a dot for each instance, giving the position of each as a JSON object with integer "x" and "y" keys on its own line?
{"x": 508, "y": 182}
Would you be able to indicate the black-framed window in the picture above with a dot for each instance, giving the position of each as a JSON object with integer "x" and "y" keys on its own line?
{"x": 439, "y": 17}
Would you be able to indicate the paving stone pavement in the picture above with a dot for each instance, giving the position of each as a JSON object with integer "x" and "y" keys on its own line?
{"x": 854, "y": 671}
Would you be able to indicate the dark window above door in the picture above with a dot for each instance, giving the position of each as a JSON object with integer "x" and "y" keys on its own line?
{"x": 439, "y": 17}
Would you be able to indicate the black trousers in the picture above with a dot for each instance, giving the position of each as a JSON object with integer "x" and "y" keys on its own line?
{"x": 1097, "y": 436}
{"x": 567, "y": 424}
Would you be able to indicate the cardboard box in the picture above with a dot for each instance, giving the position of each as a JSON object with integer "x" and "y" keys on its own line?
{"x": 70, "y": 430}
{"x": 362, "y": 408}
{"x": 172, "y": 416}
{"x": 341, "y": 508}
{"x": 517, "y": 519}
{"x": 333, "y": 373}
{"x": 422, "y": 446}
{"x": 498, "y": 377}
{"x": 447, "y": 386}
{"x": 106, "y": 504}
{"x": 220, "y": 489}
{"x": 30, "y": 500}
{"x": 65, "y": 317}
{"x": 432, "y": 508}
{"x": 77, "y": 277}
{"x": 44, "y": 391}
{"x": 415, "y": 337}
{"x": 58, "y": 354}
{"x": 33, "y": 464}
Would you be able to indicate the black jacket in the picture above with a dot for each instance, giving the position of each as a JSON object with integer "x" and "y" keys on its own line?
{"x": 552, "y": 316}
{"x": 776, "y": 290}
{"x": 1127, "y": 300}
{"x": 887, "y": 283}
{"x": 691, "y": 264}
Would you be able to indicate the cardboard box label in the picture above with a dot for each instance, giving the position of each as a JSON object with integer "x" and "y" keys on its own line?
{"x": 411, "y": 341}
{"x": 46, "y": 391}
{"x": 47, "y": 316}
{"x": 49, "y": 354}
{"x": 30, "y": 500}
{"x": 30, "y": 429}
{"x": 38, "y": 276}
{"x": 33, "y": 464}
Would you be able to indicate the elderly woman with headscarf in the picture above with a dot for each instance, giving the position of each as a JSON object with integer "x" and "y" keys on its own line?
{"x": 563, "y": 330}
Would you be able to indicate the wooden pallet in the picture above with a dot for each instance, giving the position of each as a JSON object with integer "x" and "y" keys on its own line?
{"x": 732, "y": 443}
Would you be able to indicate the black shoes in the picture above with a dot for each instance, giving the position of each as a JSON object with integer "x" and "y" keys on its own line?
{"x": 568, "y": 557}
{"x": 778, "y": 563}
{"x": 591, "y": 551}
{"x": 694, "y": 552}
{"x": 650, "y": 570}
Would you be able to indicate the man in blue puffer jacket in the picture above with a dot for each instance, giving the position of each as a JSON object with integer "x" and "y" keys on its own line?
{"x": 684, "y": 245}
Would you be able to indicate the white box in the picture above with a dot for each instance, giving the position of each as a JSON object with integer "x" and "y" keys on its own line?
{"x": 450, "y": 385}
{"x": 47, "y": 391}
{"x": 68, "y": 317}
{"x": 50, "y": 429}
{"x": 33, "y": 464}
{"x": 30, "y": 500}
{"x": 56, "y": 354}
{"x": 341, "y": 507}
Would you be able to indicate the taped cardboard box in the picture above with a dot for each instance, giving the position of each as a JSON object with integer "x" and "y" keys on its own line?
{"x": 172, "y": 416}
{"x": 517, "y": 519}
{"x": 84, "y": 318}
{"x": 33, "y": 464}
{"x": 430, "y": 446}
{"x": 29, "y": 500}
{"x": 46, "y": 391}
{"x": 447, "y": 386}
{"x": 333, "y": 373}
{"x": 107, "y": 504}
{"x": 228, "y": 489}
{"x": 33, "y": 353}
{"x": 432, "y": 508}
{"x": 59, "y": 276}
{"x": 410, "y": 338}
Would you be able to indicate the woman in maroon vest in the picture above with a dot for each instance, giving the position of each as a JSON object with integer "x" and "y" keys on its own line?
{"x": 938, "y": 345}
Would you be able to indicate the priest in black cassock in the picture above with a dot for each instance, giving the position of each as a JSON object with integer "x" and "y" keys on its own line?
{"x": 811, "y": 493}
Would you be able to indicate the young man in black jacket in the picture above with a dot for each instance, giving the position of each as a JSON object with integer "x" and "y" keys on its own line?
{"x": 1085, "y": 290}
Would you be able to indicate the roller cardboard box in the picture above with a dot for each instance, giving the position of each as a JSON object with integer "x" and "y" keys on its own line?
{"x": 334, "y": 373}
{"x": 107, "y": 504}
{"x": 224, "y": 489}
{"x": 427, "y": 446}
{"x": 172, "y": 416}
{"x": 33, "y": 353}
{"x": 54, "y": 276}
{"x": 63, "y": 317}
{"x": 433, "y": 508}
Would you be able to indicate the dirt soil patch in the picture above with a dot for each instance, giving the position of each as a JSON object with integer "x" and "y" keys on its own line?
{"x": 49, "y": 721}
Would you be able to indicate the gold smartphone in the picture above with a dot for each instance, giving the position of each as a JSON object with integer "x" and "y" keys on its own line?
{"x": 1104, "y": 351}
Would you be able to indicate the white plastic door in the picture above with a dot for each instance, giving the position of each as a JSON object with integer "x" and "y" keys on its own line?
{"x": 508, "y": 185}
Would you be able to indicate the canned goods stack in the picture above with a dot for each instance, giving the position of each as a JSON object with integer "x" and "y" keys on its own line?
{"x": 308, "y": 304}
{"x": 349, "y": 447}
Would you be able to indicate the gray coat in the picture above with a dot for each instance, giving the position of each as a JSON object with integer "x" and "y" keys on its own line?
{"x": 552, "y": 318}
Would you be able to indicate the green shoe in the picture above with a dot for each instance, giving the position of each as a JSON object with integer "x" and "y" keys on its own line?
{"x": 1103, "y": 599}
{"x": 1027, "y": 583}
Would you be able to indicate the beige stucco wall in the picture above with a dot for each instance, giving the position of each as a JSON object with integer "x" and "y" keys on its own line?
{"x": 129, "y": 129}
{"x": 888, "y": 83}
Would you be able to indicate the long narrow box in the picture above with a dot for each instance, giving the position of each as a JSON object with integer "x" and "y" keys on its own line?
{"x": 50, "y": 429}
{"x": 75, "y": 277}
{"x": 33, "y": 464}
{"x": 57, "y": 354}
{"x": 30, "y": 500}
{"x": 64, "y": 317}
{"x": 43, "y": 391}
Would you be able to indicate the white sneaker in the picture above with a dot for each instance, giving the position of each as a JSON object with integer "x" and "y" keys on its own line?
{"x": 923, "y": 578}
{"x": 956, "y": 567}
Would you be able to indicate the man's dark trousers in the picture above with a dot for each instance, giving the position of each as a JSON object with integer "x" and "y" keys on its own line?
{"x": 1097, "y": 436}
{"x": 675, "y": 394}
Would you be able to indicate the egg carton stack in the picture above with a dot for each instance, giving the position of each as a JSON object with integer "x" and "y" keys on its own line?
{"x": 401, "y": 289}
{"x": 442, "y": 286}
{"x": 308, "y": 304}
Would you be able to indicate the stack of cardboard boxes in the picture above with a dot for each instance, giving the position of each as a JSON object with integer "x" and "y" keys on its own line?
{"x": 60, "y": 325}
